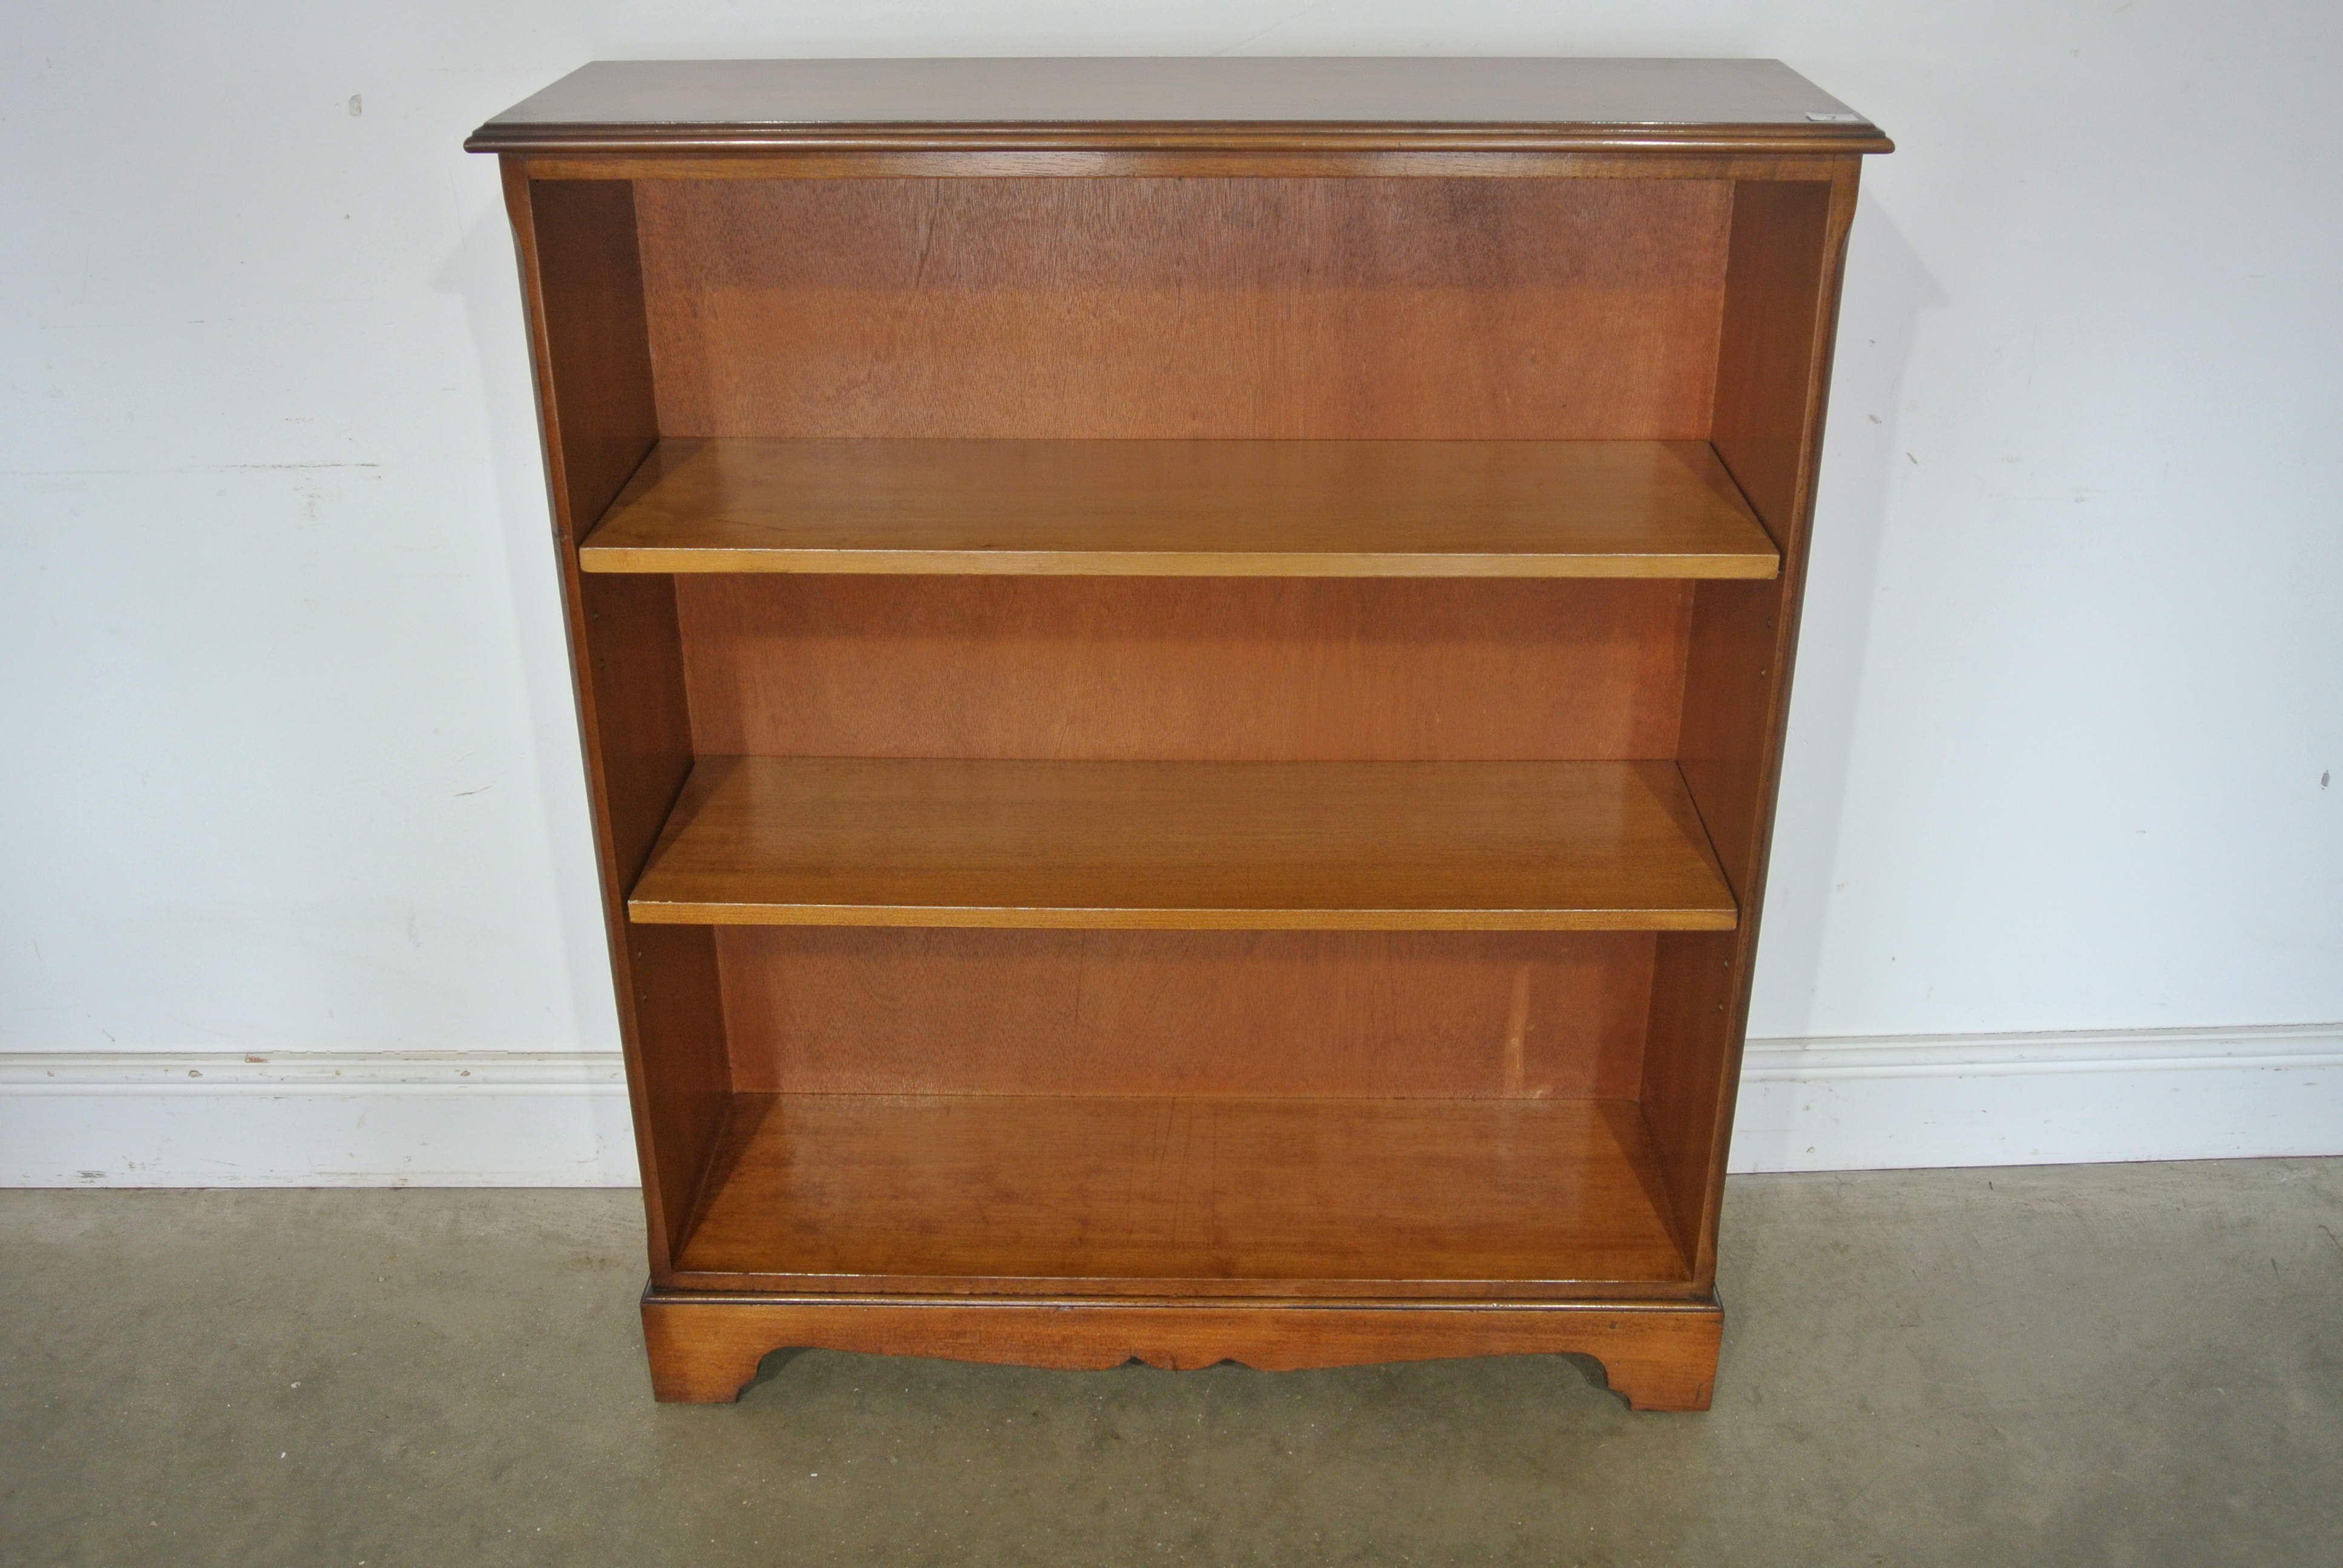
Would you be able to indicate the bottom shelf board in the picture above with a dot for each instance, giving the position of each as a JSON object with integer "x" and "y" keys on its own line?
{"x": 1008, "y": 1194}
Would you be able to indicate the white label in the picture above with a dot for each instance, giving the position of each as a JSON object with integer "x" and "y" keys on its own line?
{"x": 1838, "y": 119}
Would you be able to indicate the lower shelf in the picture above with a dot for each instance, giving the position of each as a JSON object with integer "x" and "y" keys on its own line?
{"x": 1009, "y": 1195}
{"x": 1195, "y": 846}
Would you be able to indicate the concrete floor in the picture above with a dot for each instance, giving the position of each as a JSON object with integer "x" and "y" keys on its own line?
{"x": 2114, "y": 1364}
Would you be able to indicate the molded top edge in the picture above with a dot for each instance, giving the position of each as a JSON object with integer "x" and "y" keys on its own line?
{"x": 1362, "y": 102}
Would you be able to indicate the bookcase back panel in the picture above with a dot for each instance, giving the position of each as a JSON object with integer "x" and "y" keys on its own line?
{"x": 1464, "y": 1015}
{"x": 1342, "y": 308}
{"x": 1183, "y": 668}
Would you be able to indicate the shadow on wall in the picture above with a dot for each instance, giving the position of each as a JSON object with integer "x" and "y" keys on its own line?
{"x": 1887, "y": 288}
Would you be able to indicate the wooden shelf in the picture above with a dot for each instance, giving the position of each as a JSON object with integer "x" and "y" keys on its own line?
{"x": 1193, "y": 1195}
{"x": 1331, "y": 846}
{"x": 1185, "y": 508}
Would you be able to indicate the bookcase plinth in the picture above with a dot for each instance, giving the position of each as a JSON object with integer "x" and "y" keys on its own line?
{"x": 705, "y": 1348}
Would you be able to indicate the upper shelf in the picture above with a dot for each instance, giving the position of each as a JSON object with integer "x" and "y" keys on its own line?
{"x": 1262, "y": 102}
{"x": 1184, "y": 846}
{"x": 1185, "y": 508}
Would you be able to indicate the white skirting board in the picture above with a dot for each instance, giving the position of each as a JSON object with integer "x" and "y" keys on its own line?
{"x": 316, "y": 1119}
{"x": 1924, "y": 1101}
{"x": 491, "y": 1119}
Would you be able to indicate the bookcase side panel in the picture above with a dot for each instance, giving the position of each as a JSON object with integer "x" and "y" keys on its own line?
{"x": 583, "y": 281}
{"x": 1781, "y": 288}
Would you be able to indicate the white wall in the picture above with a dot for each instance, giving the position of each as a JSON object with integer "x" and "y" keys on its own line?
{"x": 290, "y": 771}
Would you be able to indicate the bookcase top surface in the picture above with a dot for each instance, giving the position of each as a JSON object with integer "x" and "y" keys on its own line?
{"x": 1076, "y": 102}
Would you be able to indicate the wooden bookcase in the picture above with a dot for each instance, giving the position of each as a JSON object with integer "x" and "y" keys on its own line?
{"x": 1183, "y": 666}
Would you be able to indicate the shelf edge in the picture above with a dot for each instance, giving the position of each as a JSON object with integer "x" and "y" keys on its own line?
{"x": 651, "y": 912}
{"x": 669, "y": 559}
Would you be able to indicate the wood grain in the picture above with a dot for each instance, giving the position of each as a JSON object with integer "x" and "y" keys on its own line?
{"x": 1175, "y": 668}
{"x": 582, "y": 291}
{"x": 1123, "y": 162}
{"x": 1185, "y": 508}
{"x": 1520, "y": 1015}
{"x": 583, "y": 286}
{"x": 1366, "y": 989}
{"x": 1182, "y": 309}
{"x": 1787, "y": 254}
{"x": 1010, "y": 1194}
{"x": 1222, "y": 101}
{"x": 705, "y": 1347}
{"x": 1184, "y": 846}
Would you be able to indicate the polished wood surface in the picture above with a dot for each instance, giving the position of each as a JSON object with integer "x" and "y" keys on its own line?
{"x": 1185, "y": 508}
{"x": 581, "y": 285}
{"x": 1788, "y": 252}
{"x": 1179, "y": 1194}
{"x": 1183, "y": 668}
{"x": 704, "y": 1347}
{"x": 1185, "y": 308}
{"x": 1332, "y": 846}
{"x": 1221, "y": 101}
{"x": 1428, "y": 1014}
{"x": 583, "y": 288}
{"x": 1126, "y": 162}
{"x": 1221, "y": 960}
